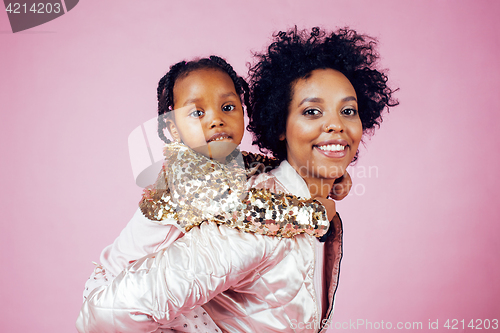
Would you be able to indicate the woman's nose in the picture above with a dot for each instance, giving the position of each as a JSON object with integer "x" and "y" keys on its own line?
{"x": 333, "y": 123}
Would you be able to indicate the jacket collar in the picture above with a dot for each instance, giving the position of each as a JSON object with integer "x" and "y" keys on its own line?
{"x": 291, "y": 180}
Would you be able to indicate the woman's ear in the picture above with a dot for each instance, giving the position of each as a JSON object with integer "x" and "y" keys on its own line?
{"x": 282, "y": 137}
{"x": 174, "y": 132}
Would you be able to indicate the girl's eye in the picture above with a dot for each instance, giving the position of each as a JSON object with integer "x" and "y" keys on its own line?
{"x": 350, "y": 112}
{"x": 312, "y": 112}
{"x": 196, "y": 114}
{"x": 228, "y": 107}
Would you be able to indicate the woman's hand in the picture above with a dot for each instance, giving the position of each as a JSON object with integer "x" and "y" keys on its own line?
{"x": 341, "y": 187}
{"x": 329, "y": 205}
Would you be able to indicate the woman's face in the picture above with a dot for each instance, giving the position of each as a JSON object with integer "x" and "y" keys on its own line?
{"x": 323, "y": 128}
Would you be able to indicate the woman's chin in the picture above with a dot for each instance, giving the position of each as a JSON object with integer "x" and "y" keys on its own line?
{"x": 331, "y": 172}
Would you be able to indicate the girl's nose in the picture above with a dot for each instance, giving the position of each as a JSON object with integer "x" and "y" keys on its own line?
{"x": 217, "y": 120}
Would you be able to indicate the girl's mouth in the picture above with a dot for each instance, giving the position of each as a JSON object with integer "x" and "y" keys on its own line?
{"x": 219, "y": 137}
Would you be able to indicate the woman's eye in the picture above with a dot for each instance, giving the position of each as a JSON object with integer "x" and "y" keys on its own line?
{"x": 228, "y": 107}
{"x": 196, "y": 114}
{"x": 312, "y": 112}
{"x": 350, "y": 112}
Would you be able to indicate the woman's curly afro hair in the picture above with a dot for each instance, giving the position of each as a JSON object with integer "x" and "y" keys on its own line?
{"x": 165, "y": 91}
{"x": 292, "y": 56}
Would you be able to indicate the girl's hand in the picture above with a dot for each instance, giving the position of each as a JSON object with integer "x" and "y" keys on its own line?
{"x": 341, "y": 187}
{"x": 329, "y": 205}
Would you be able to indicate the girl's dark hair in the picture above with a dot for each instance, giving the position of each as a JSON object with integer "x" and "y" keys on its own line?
{"x": 165, "y": 91}
{"x": 294, "y": 55}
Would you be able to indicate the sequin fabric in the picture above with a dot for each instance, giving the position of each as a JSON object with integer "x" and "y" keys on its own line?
{"x": 192, "y": 189}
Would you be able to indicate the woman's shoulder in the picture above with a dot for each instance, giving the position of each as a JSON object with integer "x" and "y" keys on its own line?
{"x": 264, "y": 181}
{"x": 267, "y": 180}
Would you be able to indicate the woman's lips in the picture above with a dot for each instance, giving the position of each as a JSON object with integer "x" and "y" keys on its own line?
{"x": 332, "y": 148}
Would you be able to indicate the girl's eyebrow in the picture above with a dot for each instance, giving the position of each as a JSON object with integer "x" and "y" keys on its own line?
{"x": 191, "y": 101}
{"x": 229, "y": 94}
{"x": 194, "y": 100}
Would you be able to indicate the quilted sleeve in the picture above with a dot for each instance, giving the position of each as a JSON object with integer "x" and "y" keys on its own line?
{"x": 154, "y": 290}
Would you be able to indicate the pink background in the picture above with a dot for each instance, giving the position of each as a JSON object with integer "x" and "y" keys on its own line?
{"x": 421, "y": 235}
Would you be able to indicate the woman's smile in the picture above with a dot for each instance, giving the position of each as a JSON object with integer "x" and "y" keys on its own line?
{"x": 333, "y": 148}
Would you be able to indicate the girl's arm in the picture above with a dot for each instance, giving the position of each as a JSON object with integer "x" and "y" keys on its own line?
{"x": 155, "y": 289}
{"x": 259, "y": 211}
{"x": 192, "y": 188}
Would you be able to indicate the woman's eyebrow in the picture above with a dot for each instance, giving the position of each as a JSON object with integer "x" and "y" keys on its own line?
{"x": 349, "y": 98}
{"x": 320, "y": 100}
{"x": 311, "y": 99}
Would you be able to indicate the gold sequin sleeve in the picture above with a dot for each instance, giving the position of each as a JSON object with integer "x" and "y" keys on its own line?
{"x": 277, "y": 214}
{"x": 261, "y": 211}
{"x": 155, "y": 204}
{"x": 258, "y": 163}
{"x": 193, "y": 189}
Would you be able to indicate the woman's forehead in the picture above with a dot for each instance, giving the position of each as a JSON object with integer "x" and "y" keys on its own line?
{"x": 320, "y": 82}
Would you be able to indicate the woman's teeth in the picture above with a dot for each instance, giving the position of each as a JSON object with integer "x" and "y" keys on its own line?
{"x": 332, "y": 147}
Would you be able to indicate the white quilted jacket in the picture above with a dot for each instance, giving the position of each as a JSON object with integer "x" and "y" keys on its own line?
{"x": 246, "y": 282}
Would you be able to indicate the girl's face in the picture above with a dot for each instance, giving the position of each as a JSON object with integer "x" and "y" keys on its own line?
{"x": 323, "y": 128}
{"x": 208, "y": 115}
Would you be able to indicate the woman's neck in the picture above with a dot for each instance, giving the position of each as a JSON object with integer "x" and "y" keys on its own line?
{"x": 318, "y": 187}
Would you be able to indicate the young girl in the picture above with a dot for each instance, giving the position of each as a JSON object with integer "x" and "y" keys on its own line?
{"x": 207, "y": 121}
